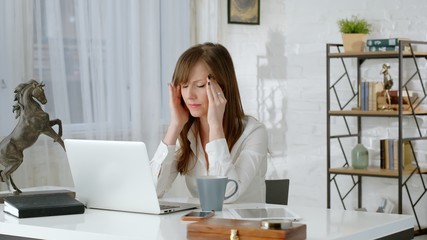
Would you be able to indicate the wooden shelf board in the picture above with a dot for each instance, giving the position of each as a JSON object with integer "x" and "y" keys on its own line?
{"x": 370, "y": 171}
{"x": 374, "y": 113}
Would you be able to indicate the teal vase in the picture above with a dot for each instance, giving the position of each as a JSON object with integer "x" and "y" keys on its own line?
{"x": 359, "y": 157}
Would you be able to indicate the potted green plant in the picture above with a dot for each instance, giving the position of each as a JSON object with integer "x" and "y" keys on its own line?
{"x": 354, "y": 32}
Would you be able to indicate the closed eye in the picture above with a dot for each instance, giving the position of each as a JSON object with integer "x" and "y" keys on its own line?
{"x": 201, "y": 86}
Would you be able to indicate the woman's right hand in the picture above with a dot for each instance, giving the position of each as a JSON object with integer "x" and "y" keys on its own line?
{"x": 179, "y": 115}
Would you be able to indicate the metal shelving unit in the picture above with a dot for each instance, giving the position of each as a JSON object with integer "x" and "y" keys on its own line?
{"x": 344, "y": 111}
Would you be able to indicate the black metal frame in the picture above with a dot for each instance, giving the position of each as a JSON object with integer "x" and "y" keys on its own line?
{"x": 357, "y": 178}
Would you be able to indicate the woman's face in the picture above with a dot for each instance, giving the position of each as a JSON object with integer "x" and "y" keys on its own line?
{"x": 194, "y": 91}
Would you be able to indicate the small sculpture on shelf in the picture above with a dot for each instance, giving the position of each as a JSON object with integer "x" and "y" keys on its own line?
{"x": 32, "y": 122}
{"x": 387, "y": 84}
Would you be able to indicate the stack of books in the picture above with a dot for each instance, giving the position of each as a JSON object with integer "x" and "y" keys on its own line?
{"x": 389, "y": 154}
{"x": 385, "y": 44}
{"x": 372, "y": 98}
{"x": 368, "y": 95}
{"x": 394, "y": 98}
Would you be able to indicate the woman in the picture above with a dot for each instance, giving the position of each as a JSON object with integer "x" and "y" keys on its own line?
{"x": 214, "y": 135}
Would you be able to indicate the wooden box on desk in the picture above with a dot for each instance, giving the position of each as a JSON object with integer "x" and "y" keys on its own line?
{"x": 219, "y": 228}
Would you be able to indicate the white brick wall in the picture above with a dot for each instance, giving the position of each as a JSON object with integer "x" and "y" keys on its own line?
{"x": 289, "y": 83}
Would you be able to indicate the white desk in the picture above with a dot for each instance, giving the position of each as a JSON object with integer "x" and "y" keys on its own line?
{"x": 105, "y": 225}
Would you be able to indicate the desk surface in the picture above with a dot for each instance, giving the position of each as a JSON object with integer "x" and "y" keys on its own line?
{"x": 105, "y": 225}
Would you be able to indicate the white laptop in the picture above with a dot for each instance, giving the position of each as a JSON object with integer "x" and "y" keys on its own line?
{"x": 115, "y": 175}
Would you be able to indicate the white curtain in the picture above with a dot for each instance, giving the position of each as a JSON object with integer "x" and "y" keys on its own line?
{"x": 205, "y": 19}
{"x": 101, "y": 62}
{"x": 15, "y": 55}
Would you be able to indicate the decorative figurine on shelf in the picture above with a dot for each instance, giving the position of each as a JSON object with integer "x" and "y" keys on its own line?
{"x": 32, "y": 122}
{"x": 388, "y": 83}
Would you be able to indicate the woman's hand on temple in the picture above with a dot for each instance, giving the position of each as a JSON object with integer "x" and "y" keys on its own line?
{"x": 179, "y": 115}
{"x": 216, "y": 109}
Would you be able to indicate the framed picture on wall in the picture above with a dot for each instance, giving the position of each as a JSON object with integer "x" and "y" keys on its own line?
{"x": 243, "y": 11}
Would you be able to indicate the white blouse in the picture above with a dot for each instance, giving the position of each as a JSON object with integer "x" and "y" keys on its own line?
{"x": 246, "y": 163}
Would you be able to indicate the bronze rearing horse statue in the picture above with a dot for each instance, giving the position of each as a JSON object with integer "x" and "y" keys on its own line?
{"x": 32, "y": 122}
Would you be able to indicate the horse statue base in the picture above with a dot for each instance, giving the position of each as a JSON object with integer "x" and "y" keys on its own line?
{"x": 38, "y": 190}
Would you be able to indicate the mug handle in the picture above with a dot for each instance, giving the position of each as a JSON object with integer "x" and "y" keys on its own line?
{"x": 235, "y": 190}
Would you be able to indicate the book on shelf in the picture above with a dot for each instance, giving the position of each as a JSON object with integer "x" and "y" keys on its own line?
{"x": 386, "y": 155}
{"x": 395, "y": 93}
{"x": 368, "y": 95}
{"x": 394, "y": 99}
{"x": 387, "y": 49}
{"x": 362, "y": 96}
{"x": 40, "y": 205}
{"x": 408, "y": 156}
{"x": 384, "y": 42}
{"x": 389, "y": 158}
{"x": 382, "y": 154}
{"x": 375, "y": 87}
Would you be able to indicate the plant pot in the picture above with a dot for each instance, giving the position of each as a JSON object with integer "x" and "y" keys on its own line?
{"x": 354, "y": 42}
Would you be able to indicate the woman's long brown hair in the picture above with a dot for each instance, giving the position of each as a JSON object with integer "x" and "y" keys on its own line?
{"x": 220, "y": 65}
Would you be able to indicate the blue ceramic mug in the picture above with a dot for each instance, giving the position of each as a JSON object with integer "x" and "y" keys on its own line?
{"x": 212, "y": 191}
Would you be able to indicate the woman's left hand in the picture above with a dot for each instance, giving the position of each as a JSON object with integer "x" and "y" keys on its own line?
{"x": 216, "y": 109}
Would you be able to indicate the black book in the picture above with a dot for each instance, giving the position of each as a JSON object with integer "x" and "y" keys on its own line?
{"x": 39, "y": 205}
